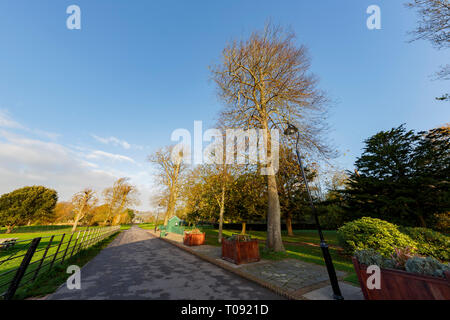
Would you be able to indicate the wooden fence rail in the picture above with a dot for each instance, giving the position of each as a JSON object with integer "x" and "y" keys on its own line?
{"x": 30, "y": 258}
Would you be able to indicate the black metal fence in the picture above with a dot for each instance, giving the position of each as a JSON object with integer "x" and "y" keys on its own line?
{"x": 21, "y": 263}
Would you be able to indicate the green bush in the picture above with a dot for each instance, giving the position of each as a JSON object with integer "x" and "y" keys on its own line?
{"x": 428, "y": 266}
{"x": 430, "y": 243}
{"x": 420, "y": 265}
{"x": 372, "y": 233}
{"x": 371, "y": 257}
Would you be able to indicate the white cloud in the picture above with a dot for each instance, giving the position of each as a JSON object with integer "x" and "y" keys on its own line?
{"x": 113, "y": 141}
{"x": 98, "y": 154}
{"x": 7, "y": 122}
{"x": 26, "y": 160}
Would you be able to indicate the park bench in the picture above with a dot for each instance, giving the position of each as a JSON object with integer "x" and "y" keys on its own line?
{"x": 7, "y": 243}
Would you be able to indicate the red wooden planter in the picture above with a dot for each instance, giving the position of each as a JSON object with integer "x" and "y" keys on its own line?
{"x": 194, "y": 239}
{"x": 402, "y": 285}
{"x": 240, "y": 251}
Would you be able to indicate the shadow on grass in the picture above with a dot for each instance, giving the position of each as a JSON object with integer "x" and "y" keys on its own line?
{"x": 48, "y": 282}
{"x": 297, "y": 250}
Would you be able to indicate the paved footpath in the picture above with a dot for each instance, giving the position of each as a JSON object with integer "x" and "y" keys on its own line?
{"x": 139, "y": 266}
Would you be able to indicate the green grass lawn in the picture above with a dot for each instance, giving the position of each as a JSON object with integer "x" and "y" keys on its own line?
{"x": 48, "y": 282}
{"x": 302, "y": 246}
{"x": 25, "y": 235}
{"x": 27, "y": 232}
{"x": 147, "y": 226}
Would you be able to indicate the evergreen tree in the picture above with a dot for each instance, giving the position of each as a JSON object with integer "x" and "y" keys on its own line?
{"x": 26, "y": 205}
{"x": 402, "y": 176}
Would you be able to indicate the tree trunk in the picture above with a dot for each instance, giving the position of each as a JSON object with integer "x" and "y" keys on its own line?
{"x": 173, "y": 195}
{"x": 222, "y": 209}
{"x": 77, "y": 218}
{"x": 422, "y": 221}
{"x": 274, "y": 241}
{"x": 244, "y": 225}
{"x": 9, "y": 229}
{"x": 289, "y": 224}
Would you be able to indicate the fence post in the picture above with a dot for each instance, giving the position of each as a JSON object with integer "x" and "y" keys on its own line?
{"x": 97, "y": 236}
{"x": 22, "y": 268}
{"x": 57, "y": 251}
{"x": 92, "y": 238}
{"x": 43, "y": 258}
{"x": 82, "y": 239}
{"x": 75, "y": 245}
{"x": 67, "y": 248}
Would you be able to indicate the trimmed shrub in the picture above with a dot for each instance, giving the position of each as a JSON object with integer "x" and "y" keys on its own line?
{"x": 430, "y": 243}
{"x": 420, "y": 265}
{"x": 371, "y": 233}
{"x": 371, "y": 257}
{"x": 428, "y": 266}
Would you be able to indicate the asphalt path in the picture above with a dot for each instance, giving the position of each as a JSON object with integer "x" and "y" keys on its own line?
{"x": 138, "y": 266}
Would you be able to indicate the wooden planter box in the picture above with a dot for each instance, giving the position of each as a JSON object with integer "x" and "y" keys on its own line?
{"x": 402, "y": 285}
{"x": 240, "y": 251}
{"x": 194, "y": 239}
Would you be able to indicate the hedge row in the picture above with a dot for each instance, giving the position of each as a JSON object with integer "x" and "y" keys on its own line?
{"x": 384, "y": 237}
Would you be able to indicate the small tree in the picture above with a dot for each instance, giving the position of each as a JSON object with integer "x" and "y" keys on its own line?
{"x": 64, "y": 212}
{"x": 291, "y": 187}
{"x": 121, "y": 195}
{"x": 83, "y": 202}
{"x": 171, "y": 167}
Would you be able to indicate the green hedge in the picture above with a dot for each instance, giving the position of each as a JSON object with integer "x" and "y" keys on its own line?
{"x": 430, "y": 243}
{"x": 371, "y": 233}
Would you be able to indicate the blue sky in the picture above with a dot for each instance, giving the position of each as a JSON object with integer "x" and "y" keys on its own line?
{"x": 91, "y": 104}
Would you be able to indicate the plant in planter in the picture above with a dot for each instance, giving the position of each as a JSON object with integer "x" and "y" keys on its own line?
{"x": 194, "y": 238}
{"x": 403, "y": 276}
{"x": 240, "y": 249}
{"x": 400, "y": 257}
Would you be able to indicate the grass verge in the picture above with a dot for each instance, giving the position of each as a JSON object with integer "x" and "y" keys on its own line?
{"x": 147, "y": 226}
{"x": 302, "y": 246}
{"x": 48, "y": 282}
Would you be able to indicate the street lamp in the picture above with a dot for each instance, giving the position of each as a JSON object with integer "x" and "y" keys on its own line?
{"x": 291, "y": 130}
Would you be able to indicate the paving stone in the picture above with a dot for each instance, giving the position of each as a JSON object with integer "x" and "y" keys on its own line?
{"x": 348, "y": 291}
{"x": 290, "y": 274}
{"x": 139, "y": 266}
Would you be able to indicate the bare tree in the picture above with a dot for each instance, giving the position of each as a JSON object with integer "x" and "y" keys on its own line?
{"x": 171, "y": 167}
{"x": 434, "y": 23}
{"x": 82, "y": 203}
{"x": 265, "y": 82}
{"x": 118, "y": 197}
{"x": 434, "y": 26}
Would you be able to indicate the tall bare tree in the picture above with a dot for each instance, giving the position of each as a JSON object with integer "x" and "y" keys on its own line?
{"x": 171, "y": 166}
{"x": 265, "y": 82}
{"x": 83, "y": 202}
{"x": 118, "y": 197}
{"x": 434, "y": 26}
{"x": 434, "y": 23}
